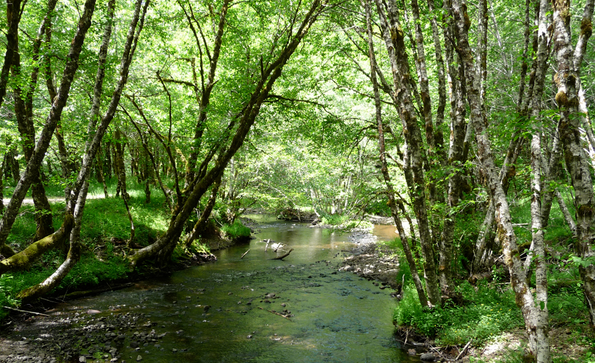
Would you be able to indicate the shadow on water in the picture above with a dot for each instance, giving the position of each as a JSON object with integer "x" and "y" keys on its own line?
{"x": 263, "y": 310}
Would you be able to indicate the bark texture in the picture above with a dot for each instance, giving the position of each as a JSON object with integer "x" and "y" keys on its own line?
{"x": 534, "y": 309}
{"x": 567, "y": 82}
{"x": 394, "y": 38}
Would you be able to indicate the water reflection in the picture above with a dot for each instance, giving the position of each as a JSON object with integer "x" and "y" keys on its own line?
{"x": 257, "y": 309}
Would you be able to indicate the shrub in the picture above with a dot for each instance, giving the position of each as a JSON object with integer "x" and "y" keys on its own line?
{"x": 236, "y": 230}
{"x": 488, "y": 313}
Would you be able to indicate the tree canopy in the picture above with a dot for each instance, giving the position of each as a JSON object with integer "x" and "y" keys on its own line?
{"x": 437, "y": 112}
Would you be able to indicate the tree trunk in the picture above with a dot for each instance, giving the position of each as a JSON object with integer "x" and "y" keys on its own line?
{"x": 207, "y": 88}
{"x": 578, "y": 166}
{"x": 165, "y": 245}
{"x": 13, "y": 15}
{"x": 120, "y": 165}
{"x": 23, "y": 100}
{"x": 200, "y": 225}
{"x": 534, "y": 309}
{"x": 58, "y": 104}
{"x": 384, "y": 166}
{"x": 23, "y": 259}
{"x": 78, "y": 197}
{"x": 394, "y": 39}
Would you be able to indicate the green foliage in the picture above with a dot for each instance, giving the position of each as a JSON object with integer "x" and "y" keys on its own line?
{"x": 199, "y": 248}
{"x": 236, "y": 230}
{"x": 6, "y": 294}
{"x": 333, "y": 219}
{"x": 488, "y": 313}
{"x": 91, "y": 271}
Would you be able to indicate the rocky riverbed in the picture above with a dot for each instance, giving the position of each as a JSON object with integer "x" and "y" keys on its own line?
{"x": 78, "y": 337}
{"x": 111, "y": 335}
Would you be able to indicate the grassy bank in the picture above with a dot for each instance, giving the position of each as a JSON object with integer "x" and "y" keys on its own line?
{"x": 487, "y": 314}
{"x": 104, "y": 235}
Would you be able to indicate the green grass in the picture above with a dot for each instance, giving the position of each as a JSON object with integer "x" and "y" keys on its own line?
{"x": 487, "y": 313}
{"x": 103, "y": 220}
{"x": 236, "y": 230}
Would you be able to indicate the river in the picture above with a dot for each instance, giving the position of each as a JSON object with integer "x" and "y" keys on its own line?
{"x": 253, "y": 309}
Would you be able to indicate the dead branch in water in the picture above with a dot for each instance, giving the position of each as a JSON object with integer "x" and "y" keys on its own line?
{"x": 283, "y": 256}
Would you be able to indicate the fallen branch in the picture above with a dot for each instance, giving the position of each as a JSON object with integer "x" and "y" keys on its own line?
{"x": 24, "y": 311}
{"x": 283, "y": 256}
{"x": 276, "y": 313}
{"x": 464, "y": 349}
{"x": 245, "y": 253}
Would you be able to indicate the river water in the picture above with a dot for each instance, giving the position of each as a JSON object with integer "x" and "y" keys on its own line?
{"x": 256, "y": 309}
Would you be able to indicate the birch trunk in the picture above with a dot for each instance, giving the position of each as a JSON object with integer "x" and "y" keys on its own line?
{"x": 567, "y": 81}
{"x": 533, "y": 309}
{"x": 394, "y": 39}
{"x": 384, "y": 165}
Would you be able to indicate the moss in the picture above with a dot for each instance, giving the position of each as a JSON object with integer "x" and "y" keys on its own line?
{"x": 35, "y": 250}
{"x": 586, "y": 28}
{"x": 561, "y": 99}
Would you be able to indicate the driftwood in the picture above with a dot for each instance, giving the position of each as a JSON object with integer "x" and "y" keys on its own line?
{"x": 245, "y": 253}
{"x": 24, "y": 311}
{"x": 276, "y": 313}
{"x": 463, "y": 351}
{"x": 283, "y": 256}
{"x": 266, "y": 247}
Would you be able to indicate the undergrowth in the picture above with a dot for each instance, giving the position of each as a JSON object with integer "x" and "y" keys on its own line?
{"x": 487, "y": 312}
{"x": 236, "y": 230}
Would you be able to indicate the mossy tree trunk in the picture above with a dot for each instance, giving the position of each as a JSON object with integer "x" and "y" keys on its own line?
{"x": 23, "y": 259}
{"x": 78, "y": 197}
{"x": 384, "y": 165}
{"x": 415, "y": 155}
{"x": 534, "y": 308}
{"x": 162, "y": 249}
{"x": 36, "y": 159}
{"x": 23, "y": 106}
{"x": 567, "y": 81}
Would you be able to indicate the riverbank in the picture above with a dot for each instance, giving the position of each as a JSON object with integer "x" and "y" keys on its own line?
{"x": 118, "y": 325}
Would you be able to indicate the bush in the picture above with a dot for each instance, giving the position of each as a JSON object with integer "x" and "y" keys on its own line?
{"x": 236, "y": 230}
{"x": 488, "y": 314}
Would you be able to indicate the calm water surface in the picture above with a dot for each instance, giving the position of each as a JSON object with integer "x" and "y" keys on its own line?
{"x": 336, "y": 317}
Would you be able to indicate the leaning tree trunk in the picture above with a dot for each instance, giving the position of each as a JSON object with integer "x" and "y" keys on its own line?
{"x": 42, "y": 145}
{"x": 78, "y": 196}
{"x": 384, "y": 165}
{"x": 201, "y": 224}
{"x": 164, "y": 246}
{"x": 23, "y": 101}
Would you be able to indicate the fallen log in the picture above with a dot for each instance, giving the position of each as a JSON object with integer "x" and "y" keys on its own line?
{"x": 283, "y": 256}
{"x": 25, "y": 258}
{"x": 276, "y": 313}
{"x": 24, "y": 311}
{"x": 245, "y": 253}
